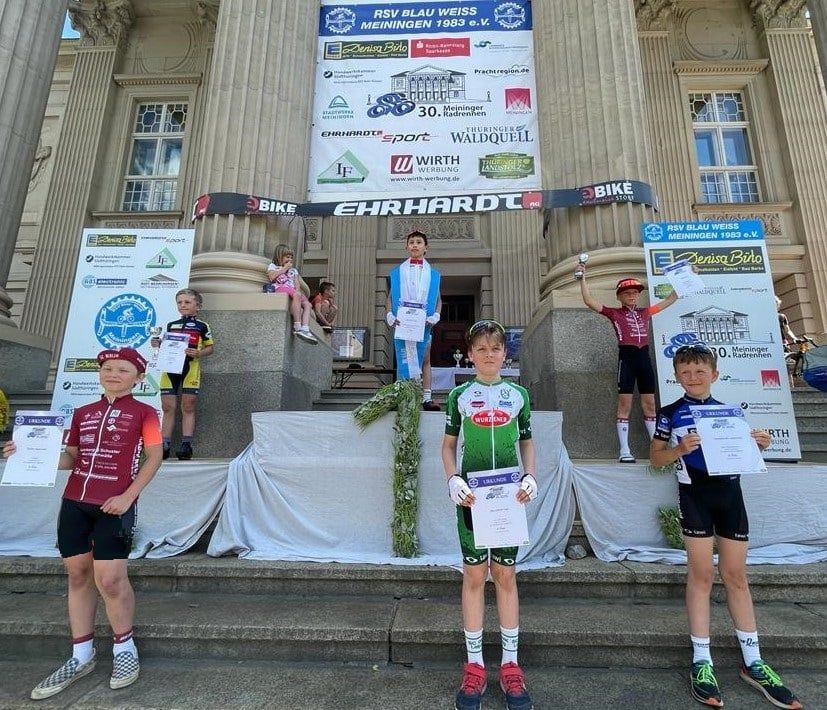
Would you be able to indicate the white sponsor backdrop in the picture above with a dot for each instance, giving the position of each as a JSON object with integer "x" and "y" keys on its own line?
{"x": 735, "y": 314}
{"x": 428, "y": 97}
{"x": 125, "y": 283}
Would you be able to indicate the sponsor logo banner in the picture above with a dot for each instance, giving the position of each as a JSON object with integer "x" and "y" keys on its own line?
{"x": 398, "y": 164}
{"x": 734, "y": 315}
{"x": 460, "y": 73}
{"x": 130, "y": 291}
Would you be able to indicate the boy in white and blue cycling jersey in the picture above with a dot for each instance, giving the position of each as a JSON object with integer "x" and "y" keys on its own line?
{"x": 711, "y": 507}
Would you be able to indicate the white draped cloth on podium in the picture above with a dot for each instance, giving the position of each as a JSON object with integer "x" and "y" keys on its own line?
{"x": 313, "y": 486}
{"x": 174, "y": 511}
{"x": 787, "y": 509}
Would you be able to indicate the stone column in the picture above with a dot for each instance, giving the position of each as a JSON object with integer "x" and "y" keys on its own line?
{"x": 29, "y": 39}
{"x": 818, "y": 20}
{"x": 104, "y": 25}
{"x": 352, "y": 267}
{"x": 803, "y": 111}
{"x": 256, "y": 135}
{"x": 515, "y": 265}
{"x": 666, "y": 114}
{"x": 594, "y": 128}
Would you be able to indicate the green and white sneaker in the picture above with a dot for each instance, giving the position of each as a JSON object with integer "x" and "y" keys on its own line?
{"x": 705, "y": 685}
{"x": 62, "y": 678}
{"x": 760, "y": 676}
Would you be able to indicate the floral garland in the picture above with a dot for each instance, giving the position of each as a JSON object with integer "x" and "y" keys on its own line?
{"x": 4, "y": 411}
{"x": 404, "y": 396}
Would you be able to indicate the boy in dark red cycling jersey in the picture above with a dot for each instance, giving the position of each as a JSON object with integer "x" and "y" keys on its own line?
{"x": 631, "y": 326}
{"x": 98, "y": 513}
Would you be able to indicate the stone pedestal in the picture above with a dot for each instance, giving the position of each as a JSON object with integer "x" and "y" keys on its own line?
{"x": 258, "y": 366}
{"x": 24, "y": 360}
{"x": 570, "y": 365}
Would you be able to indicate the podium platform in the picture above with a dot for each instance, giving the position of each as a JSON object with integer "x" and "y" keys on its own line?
{"x": 314, "y": 487}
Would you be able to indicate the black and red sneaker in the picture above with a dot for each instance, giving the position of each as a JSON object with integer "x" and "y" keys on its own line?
{"x": 512, "y": 682}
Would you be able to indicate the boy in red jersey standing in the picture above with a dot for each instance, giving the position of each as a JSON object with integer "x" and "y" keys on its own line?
{"x": 98, "y": 513}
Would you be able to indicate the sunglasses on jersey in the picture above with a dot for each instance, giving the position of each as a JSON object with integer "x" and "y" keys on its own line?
{"x": 489, "y": 326}
{"x": 694, "y": 348}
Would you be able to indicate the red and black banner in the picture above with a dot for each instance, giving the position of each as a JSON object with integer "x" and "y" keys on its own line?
{"x": 226, "y": 203}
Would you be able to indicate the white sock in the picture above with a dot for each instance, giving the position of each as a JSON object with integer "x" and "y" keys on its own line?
{"x": 749, "y": 646}
{"x": 426, "y": 395}
{"x": 650, "y": 426}
{"x": 510, "y": 640}
{"x": 124, "y": 642}
{"x": 473, "y": 645}
{"x": 297, "y": 327}
{"x": 305, "y": 329}
{"x": 700, "y": 649}
{"x": 623, "y": 436}
{"x": 83, "y": 650}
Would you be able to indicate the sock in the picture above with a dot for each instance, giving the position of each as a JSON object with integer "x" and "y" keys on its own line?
{"x": 297, "y": 326}
{"x": 473, "y": 645}
{"x": 186, "y": 440}
{"x": 700, "y": 649}
{"x": 124, "y": 642}
{"x": 650, "y": 426}
{"x": 749, "y": 646}
{"x": 82, "y": 648}
{"x": 426, "y": 395}
{"x": 510, "y": 639}
{"x": 623, "y": 436}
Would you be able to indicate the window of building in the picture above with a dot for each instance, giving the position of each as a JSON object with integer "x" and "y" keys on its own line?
{"x": 155, "y": 157}
{"x": 725, "y": 159}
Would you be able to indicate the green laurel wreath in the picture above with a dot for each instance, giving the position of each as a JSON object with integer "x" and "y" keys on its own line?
{"x": 405, "y": 397}
{"x": 670, "y": 525}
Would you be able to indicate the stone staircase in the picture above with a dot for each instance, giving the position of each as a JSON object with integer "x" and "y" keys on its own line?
{"x": 585, "y": 614}
{"x": 810, "y": 407}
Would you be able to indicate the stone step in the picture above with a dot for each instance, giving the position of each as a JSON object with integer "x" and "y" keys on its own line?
{"x": 213, "y": 683}
{"x": 588, "y": 578}
{"x": 578, "y": 633}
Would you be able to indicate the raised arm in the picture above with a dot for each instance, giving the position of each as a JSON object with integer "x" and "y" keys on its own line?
{"x": 588, "y": 299}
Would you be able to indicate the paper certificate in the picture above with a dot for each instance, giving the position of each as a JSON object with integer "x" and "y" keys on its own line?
{"x": 727, "y": 445}
{"x": 499, "y": 519}
{"x": 172, "y": 353}
{"x": 682, "y": 278}
{"x": 411, "y": 317}
{"x": 39, "y": 438}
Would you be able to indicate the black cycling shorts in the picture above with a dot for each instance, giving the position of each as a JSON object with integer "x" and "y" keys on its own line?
{"x": 634, "y": 365}
{"x": 84, "y": 527}
{"x": 714, "y": 507}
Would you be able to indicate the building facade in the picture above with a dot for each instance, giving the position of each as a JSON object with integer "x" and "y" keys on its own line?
{"x": 718, "y": 104}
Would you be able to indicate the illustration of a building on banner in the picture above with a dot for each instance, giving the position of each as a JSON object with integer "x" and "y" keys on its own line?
{"x": 430, "y": 85}
{"x": 717, "y": 325}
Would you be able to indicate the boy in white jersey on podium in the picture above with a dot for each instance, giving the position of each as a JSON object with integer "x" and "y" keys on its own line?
{"x": 492, "y": 415}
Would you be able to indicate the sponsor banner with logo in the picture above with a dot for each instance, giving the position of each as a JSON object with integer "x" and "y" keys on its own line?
{"x": 602, "y": 193}
{"x": 125, "y": 284}
{"x": 735, "y": 315}
{"x": 418, "y": 98}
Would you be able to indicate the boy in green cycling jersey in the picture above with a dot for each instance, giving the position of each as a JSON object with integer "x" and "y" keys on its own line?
{"x": 492, "y": 415}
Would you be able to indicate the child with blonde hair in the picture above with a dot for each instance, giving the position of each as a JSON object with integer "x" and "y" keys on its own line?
{"x": 284, "y": 278}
